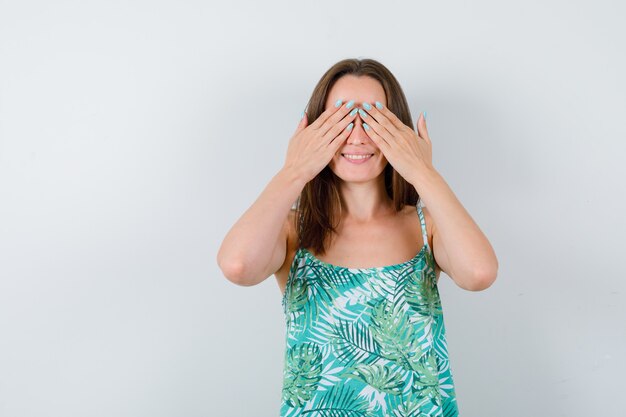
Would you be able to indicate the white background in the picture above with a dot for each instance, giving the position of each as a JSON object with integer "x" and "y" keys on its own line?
{"x": 133, "y": 134}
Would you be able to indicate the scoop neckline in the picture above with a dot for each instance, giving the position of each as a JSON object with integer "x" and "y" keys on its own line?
{"x": 374, "y": 268}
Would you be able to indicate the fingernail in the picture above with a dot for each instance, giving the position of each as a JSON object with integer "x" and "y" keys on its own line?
{"x": 350, "y": 104}
{"x": 366, "y": 126}
{"x": 424, "y": 115}
{"x": 362, "y": 113}
{"x": 338, "y": 103}
{"x": 353, "y": 112}
{"x": 349, "y": 128}
{"x": 379, "y": 106}
{"x": 367, "y": 106}
{"x": 302, "y": 115}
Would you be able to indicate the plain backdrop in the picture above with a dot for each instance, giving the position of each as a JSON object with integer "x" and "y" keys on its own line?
{"x": 133, "y": 134}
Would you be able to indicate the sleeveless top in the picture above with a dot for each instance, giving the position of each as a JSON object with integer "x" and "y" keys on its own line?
{"x": 365, "y": 341}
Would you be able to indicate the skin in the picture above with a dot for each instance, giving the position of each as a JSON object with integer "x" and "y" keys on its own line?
{"x": 262, "y": 241}
{"x": 369, "y": 215}
{"x": 460, "y": 248}
{"x": 362, "y": 187}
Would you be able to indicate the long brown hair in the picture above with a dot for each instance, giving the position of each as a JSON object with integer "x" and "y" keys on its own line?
{"x": 319, "y": 207}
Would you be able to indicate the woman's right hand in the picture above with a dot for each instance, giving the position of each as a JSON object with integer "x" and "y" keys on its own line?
{"x": 312, "y": 147}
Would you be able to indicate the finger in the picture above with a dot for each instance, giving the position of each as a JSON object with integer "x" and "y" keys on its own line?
{"x": 326, "y": 114}
{"x": 303, "y": 121}
{"x": 422, "y": 130}
{"x": 384, "y": 122}
{"x": 337, "y": 141}
{"x": 336, "y": 117}
{"x": 380, "y": 130}
{"x": 340, "y": 127}
{"x": 384, "y": 116}
{"x": 378, "y": 140}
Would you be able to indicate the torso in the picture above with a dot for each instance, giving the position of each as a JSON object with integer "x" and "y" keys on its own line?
{"x": 398, "y": 239}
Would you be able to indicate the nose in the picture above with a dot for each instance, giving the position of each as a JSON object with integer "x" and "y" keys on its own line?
{"x": 358, "y": 135}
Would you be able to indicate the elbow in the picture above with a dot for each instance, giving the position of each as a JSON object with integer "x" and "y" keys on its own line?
{"x": 235, "y": 272}
{"x": 480, "y": 279}
{"x": 485, "y": 277}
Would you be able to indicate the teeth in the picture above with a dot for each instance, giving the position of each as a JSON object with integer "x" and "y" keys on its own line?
{"x": 356, "y": 156}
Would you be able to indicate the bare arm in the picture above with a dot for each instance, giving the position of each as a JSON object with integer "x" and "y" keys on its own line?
{"x": 461, "y": 249}
{"x": 256, "y": 245}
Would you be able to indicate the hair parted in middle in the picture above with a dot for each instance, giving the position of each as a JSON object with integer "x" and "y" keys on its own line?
{"x": 319, "y": 206}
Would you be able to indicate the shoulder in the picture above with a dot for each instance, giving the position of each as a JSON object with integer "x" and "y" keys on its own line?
{"x": 413, "y": 211}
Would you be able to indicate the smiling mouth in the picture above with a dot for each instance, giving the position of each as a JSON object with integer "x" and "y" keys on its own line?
{"x": 357, "y": 157}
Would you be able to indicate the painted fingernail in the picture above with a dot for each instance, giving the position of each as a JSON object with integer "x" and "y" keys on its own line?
{"x": 353, "y": 112}
{"x": 349, "y": 104}
{"x": 379, "y": 106}
{"x": 424, "y": 115}
{"x": 338, "y": 103}
{"x": 349, "y": 127}
{"x": 367, "y": 106}
{"x": 362, "y": 113}
{"x": 302, "y": 115}
{"x": 366, "y": 126}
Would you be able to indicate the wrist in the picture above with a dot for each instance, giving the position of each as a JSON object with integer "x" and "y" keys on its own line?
{"x": 424, "y": 176}
{"x": 292, "y": 177}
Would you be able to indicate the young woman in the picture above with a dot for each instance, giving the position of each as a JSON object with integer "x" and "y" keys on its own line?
{"x": 359, "y": 254}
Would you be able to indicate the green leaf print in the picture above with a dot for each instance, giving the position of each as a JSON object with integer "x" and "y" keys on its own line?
{"x": 426, "y": 380}
{"x": 320, "y": 294}
{"x": 398, "y": 339}
{"x": 338, "y": 277}
{"x": 297, "y": 296}
{"x": 353, "y": 342}
{"x": 413, "y": 406}
{"x": 340, "y": 401}
{"x": 381, "y": 377}
{"x": 422, "y": 295}
{"x": 366, "y": 342}
{"x": 303, "y": 366}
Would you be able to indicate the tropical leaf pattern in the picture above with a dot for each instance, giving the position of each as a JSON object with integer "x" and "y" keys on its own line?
{"x": 366, "y": 341}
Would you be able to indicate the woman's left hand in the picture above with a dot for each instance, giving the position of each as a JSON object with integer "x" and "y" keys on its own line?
{"x": 408, "y": 151}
